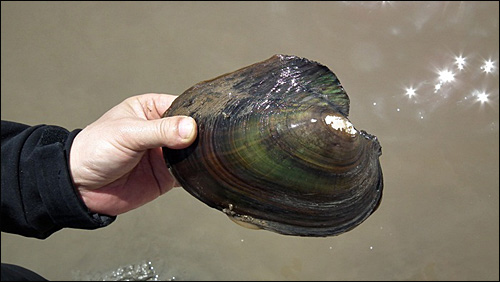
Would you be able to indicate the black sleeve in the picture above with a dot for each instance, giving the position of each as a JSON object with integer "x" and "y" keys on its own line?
{"x": 38, "y": 195}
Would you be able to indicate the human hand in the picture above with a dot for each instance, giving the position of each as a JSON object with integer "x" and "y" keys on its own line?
{"x": 117, "y": 162}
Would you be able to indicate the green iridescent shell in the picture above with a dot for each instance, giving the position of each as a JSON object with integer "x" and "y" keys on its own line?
{"x": 275, "y": 149}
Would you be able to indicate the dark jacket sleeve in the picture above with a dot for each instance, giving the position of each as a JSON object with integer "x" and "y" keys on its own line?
{"x": 38, "y": 195}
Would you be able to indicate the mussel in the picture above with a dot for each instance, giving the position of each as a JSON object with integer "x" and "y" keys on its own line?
{"x": 275, "y": 149}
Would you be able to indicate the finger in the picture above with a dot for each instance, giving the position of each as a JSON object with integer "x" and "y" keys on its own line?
{"x": 154, "y": 105}
{"x": 175, "y": 132}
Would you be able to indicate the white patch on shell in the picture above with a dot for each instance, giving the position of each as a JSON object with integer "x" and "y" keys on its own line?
{"x": 340, "y": 123}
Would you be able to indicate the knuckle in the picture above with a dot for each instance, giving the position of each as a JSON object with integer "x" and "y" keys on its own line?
{"x": 168, "y": 129}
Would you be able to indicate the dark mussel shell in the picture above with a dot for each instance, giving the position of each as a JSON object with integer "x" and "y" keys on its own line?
{"x": 275, "y": 149}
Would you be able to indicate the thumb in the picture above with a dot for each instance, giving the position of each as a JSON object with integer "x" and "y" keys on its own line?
{"x": 175, "y": 132}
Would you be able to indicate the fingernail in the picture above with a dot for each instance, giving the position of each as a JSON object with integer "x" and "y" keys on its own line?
{"x": 186, "y": 128}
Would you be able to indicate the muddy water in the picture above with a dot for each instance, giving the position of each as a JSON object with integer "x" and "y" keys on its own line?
{"x": 422, "y": 76}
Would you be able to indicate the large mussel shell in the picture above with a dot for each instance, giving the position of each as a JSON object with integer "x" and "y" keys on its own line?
{"x": 275, "y": 149}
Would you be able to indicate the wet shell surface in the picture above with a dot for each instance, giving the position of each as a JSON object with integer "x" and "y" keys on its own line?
{"x": 276, "y": 150}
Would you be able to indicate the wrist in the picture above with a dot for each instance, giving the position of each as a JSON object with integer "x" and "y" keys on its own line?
{"x": 73, "y": 162}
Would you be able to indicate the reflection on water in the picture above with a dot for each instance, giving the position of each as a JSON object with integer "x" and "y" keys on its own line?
{"x": 459, "y": 80}
{"x": 143, "y": 271}
{"x": 451, "y": 79}
{"x": 423, "y": 77}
